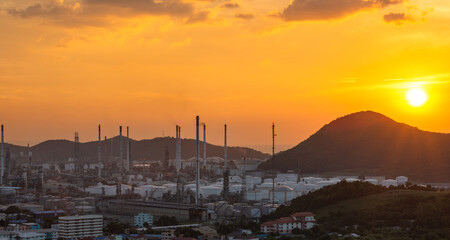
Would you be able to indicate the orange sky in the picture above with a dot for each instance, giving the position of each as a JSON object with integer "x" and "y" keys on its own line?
{"x": 69, "y": 65}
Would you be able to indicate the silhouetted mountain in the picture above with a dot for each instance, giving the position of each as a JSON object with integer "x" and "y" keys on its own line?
{"x": 153, "y": 149}
{"x": 370, "y": 143}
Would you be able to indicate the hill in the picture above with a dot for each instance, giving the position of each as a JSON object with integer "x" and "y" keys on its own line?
{"x": 370, "y": 143}
{"x": 149, "y": 149}
{"x": 374, "y": 212}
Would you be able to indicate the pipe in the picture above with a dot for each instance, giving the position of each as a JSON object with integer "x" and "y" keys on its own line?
{"x": 197, "y": 182}
{"x": 99, "y": 156}
{"x": 128, "y": 149}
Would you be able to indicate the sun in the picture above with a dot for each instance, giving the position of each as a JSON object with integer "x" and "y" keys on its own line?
{"x": 416, "y": 97}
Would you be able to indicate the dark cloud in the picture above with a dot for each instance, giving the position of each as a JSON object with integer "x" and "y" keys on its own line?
{"x": 246, "y": 16}
{"x": 304, "y": 10}
{"x": 90, "y": 12}
{"x": 198, "y": 17}
{"x": 397, "y": 18}
{"x": 230, "y": 5}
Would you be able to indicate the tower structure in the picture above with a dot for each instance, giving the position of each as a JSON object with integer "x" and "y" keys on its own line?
{"x": 204, "y": 145}
{"x": 120, "y": 148}
{"x": 226, "y": 175}
{"x": 99, "y": 154}
{"x": 78, "y": 164}
{"x": 128, "y": 149}
{"x": 2, "y": 159}
{"x": 197, "y": 151}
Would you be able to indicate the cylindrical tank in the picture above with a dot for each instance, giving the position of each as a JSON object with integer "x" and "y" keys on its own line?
{"x": 401, "y": 180}
{"x": 389, "y": 182}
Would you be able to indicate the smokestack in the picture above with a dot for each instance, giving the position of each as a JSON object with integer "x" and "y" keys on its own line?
{"x": 99, "y": 157}
{"x": 226, "y": 185}
{"x": 273, "y": 164}
{"x": 120, "y": 147}
{"x": 225, "y": 148}
{"x": 197, "y": 182}
{"x": 177, "y": 150}
{"x": 127, "y": 164}
{"x": 204, "y": 145}
{"x": 2, "y": 160}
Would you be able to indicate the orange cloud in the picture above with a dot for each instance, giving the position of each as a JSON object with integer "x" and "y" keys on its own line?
{"x": 303, "y": 10}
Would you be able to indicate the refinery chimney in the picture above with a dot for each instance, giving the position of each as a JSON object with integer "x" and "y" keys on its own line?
{"x": 197, "y": 180}
{"x": 204, "y": 145}
{"x": 177, "y": 153}
{"x": 99, "y": 154}
{"x": 226, "y": 184}
{"x": 120, "y": 148}
{"x": 2, "y": 160}
{"x": 128, "y": 149}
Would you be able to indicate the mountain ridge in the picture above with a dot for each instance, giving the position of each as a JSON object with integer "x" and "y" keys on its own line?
{"x": 370, "y": 143}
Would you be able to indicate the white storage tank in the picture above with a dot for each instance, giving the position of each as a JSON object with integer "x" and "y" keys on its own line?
{"x": 257, "y": 180}
{"x": 210, "y": 190}
{"x": 268, "y": 180}
{"x": 401, "y": 180}
{"x": 389, "y": 182}
{"x": 373, "y": 181}
{"x": 254, "y": 196}
{"x": 351, "y": 180}
{"x": 283, "y": 194}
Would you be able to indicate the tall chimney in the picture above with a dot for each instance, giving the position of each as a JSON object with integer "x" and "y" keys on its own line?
{"x": 176, "y": 151}
{"x": 99, "y": 156}
{"x": 179, "y": 147}
{"x": 120, "y": 148}
{"x": 128, "y": 149}
{"x": 204, "y": 145}
{"x": 273, "y": 164}
{"x": 226, "y": 184}
{"x": 197, "y": 151}
{"x": 2, "y": 160}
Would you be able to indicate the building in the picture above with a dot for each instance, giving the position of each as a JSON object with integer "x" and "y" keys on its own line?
{"x": 183, "y": 212}
{"x": 75, "y": 227}
{"x": 142, "y": 218}
{"x": 21, "y": 235}
{"x": 300, "y": 220}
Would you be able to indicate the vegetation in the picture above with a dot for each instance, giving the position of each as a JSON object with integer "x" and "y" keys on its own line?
{"x": 187, "y": 232}
{"x": 373, "y": 212}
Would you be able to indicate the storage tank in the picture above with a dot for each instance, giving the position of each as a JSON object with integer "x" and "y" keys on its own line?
{"x": 158, "y": 191}
{"x": 351, "y": 180}
{"x": 373, "y": 181}
{"x": 389, "y": 182}
{"x": 312, "y": 180}
{"x": 268, "y": 180}
{"x": 310, "y": 187}
{"x": 283, "y": 194}
{"x": 401, "y": 180}
{"x": 210, "y": 190}
{"x": 254, "y": 196}
{"x": 257, "y": 180}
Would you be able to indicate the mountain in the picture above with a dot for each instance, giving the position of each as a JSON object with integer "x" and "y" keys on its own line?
{"x": 149, "y": 149}
{"x": 370, "y": 143}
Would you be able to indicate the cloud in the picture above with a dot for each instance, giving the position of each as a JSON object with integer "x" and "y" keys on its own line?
{"x": 397, "y": 18}
{"x": 230, "y": 5}
{"x": 246, "y": 16}
{"x": 91, "y": 12}
{"x": 198, "y": 17}
{"x": 304, "y": 10}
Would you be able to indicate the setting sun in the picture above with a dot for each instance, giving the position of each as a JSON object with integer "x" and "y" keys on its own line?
{"x": 416, "y": 97}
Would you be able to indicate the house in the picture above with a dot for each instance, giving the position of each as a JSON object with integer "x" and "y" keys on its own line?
{"x": 300, "y": 220}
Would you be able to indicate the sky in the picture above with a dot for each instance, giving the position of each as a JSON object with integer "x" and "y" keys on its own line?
{"x": 69, "y": 65}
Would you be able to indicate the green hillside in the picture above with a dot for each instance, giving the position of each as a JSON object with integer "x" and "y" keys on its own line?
{"x": 374, "y": 212}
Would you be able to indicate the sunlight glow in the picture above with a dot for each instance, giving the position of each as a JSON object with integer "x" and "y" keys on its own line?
{"x": 416, "y": 97}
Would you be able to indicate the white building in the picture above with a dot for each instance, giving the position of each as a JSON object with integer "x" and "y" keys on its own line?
{"x": 300, "y": 220}
{"x": 74, "y": 227}
{"x": 21, "y": 235}
{"x": 142, "y": 218}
